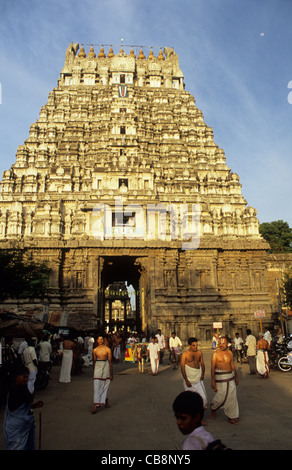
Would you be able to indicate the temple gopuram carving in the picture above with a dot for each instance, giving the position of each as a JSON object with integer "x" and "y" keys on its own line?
{"x": 120, "y": 180}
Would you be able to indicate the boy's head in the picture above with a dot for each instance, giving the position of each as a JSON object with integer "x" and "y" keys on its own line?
{"x": 189, "y": 411}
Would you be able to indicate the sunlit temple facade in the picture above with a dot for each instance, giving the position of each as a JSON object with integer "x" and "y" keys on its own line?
{"x": 120, "y": 181}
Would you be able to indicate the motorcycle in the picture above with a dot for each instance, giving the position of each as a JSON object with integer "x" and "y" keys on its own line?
{"x": 279, "y": 356}
{"x": 285, "y": 363}
{"x": 275, "y": 353}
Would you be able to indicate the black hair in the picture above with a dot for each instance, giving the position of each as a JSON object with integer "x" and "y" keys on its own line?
{"x": 192, "y": 340}
{"x": 190, "y": 403}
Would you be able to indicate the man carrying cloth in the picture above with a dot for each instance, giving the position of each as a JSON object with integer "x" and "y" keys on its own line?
{"x": 102, "y": 374}
{"x": 224, "y": 379}
{"x": 193, "y": 370}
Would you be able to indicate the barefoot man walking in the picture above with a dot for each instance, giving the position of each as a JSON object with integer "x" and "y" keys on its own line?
{"x": 193, "y": 370}
{"x": 224, "y": 379}
{"x": 102, "y": 374}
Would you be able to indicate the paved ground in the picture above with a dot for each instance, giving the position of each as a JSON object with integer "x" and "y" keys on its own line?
{"x": 141, "y": 417}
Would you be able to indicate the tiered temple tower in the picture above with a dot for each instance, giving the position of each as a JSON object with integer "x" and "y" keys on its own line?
{"x": 120, "y": 180}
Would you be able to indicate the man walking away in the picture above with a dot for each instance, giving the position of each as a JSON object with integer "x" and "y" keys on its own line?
{"x": 251, "y": 351}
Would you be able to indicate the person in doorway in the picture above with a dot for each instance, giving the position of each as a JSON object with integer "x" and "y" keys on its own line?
{"x": 251, "y": 351}
{"x": 262, "y": 359}
{"x": 189, "y": 411}
{"x": 161, "y": 344}
{"x": 154, "y": 355}
{"x": 19, "y": 424}
{"x": 224, "y": 379}
{"x": 193, "y": 370}
{"x": 102, "y": 374}
{"x": 67, "y": 360}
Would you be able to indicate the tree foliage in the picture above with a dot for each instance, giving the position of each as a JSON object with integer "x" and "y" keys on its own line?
{"x": 21, "y": 276}
{"x": 278, "y": 234}
{"x": 287, "y": 289}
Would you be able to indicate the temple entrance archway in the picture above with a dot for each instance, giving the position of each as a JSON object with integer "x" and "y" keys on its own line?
{"x": 120, "y": 297}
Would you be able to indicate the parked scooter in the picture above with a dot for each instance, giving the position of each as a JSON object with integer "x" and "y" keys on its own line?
{"x": 285, "y": 362}
{"x": 277, "y": 352}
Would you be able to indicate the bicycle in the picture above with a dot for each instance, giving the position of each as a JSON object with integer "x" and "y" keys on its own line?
{"x": 175, "y": 357}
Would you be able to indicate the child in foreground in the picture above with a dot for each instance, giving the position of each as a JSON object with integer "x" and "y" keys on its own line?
{"x": 189, "y": 411}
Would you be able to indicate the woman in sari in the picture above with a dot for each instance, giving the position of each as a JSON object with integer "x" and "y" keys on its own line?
{"x": 19, "y": 424}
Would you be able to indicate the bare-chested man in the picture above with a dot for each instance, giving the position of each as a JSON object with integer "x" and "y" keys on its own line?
{"x": 193, "y": 370}
{"x": 102, "y": 374}
{"x": 262, "y": 357}
{"x": 224, "y": 379}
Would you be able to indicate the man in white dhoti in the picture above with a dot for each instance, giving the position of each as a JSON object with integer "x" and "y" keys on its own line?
{"x": 154, "y": 355}
{"x": 262, "y": 358}
{"x": 224, "y": 379}
{"x": 193, "y": 370}
{"x": 102, "y": 374}
{"x": 30, "y": 361}
{"x": 67, "y": 360}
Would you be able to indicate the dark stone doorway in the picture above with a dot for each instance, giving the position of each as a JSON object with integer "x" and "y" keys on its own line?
{"x": 120, "y": 294}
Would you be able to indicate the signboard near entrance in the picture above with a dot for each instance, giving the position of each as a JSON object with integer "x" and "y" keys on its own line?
{"x": 260, "y": 314}
{"x": 217, "y": 325}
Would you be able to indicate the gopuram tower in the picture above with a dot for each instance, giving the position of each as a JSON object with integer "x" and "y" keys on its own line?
{"x": 120, "y": 180}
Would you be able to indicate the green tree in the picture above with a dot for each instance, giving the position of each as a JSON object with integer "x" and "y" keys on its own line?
{"x": 287, "y": 289}
{"x": 278, "y": 234}
{"x": 21, "y": 276}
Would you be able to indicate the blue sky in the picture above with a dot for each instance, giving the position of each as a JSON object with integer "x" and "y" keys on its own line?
{"x": 235, "y": 56}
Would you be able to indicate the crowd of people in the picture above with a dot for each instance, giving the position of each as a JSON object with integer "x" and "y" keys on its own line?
{"x": 20, "y": 366}
{"x": 190, "y": 405}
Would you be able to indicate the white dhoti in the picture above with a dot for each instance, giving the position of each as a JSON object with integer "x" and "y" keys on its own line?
{"x": 226, "y": 396}
{"x": 65, "y": 372}
{"x": 101, "y": 382}
{"x": 117, "y": 353}
{"x": 197, "y": 385}
{"x": 154, "y": 362}
{"x": 262, "y": 362}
